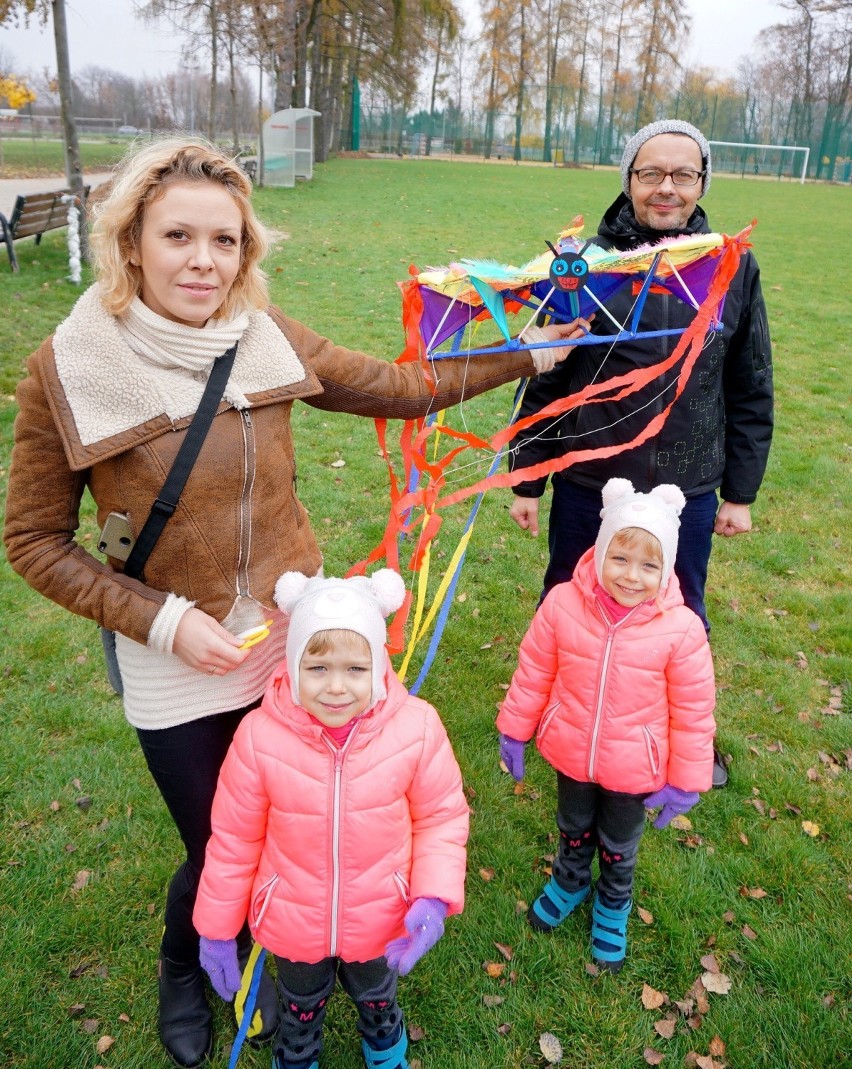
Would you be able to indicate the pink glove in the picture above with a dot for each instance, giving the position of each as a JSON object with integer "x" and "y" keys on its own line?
{"x": 425, "y": 922}
{"x": 674, "y": 801}
{"x": 512, "y": 756}
{"x": 218, "y": 958}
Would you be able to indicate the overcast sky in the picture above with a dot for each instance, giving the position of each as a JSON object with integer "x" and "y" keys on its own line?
{"x": 108, "y": 34}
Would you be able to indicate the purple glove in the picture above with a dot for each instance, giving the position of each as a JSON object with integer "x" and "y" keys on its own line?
{"x": 512, "y": 756}
{"x": 425, "y": 922}
{"x": 218, "y": 958}
{"x": 674, "y": 801}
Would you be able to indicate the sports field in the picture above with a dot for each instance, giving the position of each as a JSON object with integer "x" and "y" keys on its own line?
{"x": 87, "y": 848}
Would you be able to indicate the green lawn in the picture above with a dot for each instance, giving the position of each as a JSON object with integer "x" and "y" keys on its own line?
{"x": 746, "y": 884}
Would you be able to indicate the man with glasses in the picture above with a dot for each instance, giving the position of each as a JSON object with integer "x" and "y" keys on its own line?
{"x": 716, "y": 437}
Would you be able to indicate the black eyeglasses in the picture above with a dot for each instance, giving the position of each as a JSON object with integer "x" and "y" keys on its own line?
{"x": 653, "y": 176}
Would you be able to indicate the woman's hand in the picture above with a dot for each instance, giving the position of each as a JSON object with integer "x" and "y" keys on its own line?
{"x": 201, "y": 642}
{"x": 546, "y": 358}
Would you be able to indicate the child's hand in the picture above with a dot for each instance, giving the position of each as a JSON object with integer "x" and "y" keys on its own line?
{"x": 218, "y": 958}
{"x": 512, "y": 756}
{"x": 425, "y": 922}
{"x": 674, "y": 801}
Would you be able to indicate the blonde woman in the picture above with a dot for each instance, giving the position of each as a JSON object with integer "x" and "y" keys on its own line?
{"x": 105, "y": 406}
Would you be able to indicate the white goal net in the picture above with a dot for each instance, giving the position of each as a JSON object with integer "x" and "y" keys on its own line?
{"x": 774, "y": 161}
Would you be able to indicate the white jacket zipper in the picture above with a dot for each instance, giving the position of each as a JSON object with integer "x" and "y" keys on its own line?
{"x": 338, "y": 753}
{"x": 611, "y": 629}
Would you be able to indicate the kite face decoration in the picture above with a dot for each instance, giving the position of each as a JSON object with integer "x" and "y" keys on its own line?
{"x": 568, "y": 272}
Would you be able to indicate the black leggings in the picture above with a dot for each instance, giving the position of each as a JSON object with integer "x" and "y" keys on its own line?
{"x": 185, "y": 762}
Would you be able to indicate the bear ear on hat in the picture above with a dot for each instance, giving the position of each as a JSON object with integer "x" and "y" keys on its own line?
{"x": 671, "y": 494}
{"x": 289, "y": 589}
{"x": 388, "y": 589}
{"x": 616, "y": 489}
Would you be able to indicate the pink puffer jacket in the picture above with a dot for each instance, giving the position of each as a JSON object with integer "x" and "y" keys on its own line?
{"x": 626, "y": 705}
{"x": 323, "y": 849}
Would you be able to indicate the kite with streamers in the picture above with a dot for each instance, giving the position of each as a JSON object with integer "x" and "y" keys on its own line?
{"x": 444, "y": 310}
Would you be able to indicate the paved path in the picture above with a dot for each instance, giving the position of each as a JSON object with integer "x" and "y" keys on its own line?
{"x": 10, "y": 188}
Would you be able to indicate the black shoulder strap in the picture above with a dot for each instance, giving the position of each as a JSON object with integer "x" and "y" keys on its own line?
{"x": 166, "y": 503}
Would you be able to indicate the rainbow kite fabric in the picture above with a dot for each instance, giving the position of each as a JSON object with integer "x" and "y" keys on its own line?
{"x": 440, "y": 304}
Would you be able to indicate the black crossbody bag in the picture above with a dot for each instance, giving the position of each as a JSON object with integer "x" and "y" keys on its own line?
{"x": 167, "y": 500}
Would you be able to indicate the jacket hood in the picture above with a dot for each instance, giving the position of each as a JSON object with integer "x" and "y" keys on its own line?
{"x": 586, "y": 578}
{"x": 278, "y": 702}
{"x": 621, "y": 227}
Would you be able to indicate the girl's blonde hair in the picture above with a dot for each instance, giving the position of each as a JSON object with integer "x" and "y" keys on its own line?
{"x": 142, "y": 177}
{"x": 648, "y": 544}
{"x": 322, "y": 642}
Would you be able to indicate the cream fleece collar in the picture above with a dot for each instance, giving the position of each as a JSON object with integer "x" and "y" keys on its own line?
{"x": 111, "y": 388}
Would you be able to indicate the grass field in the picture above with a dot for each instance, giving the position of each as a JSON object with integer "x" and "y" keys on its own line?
{"x": 770, "y": 903}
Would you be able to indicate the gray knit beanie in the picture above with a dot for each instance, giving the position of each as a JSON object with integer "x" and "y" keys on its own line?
{"x": 664, "y": 126}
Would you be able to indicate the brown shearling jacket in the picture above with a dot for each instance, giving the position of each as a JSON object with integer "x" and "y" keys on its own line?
{"x": 239, "y": 524}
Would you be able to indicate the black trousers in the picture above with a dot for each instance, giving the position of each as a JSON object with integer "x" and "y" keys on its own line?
{"x": 304, "y": 990}
{"x": 591, "y": 818}
{"x": 185, "y": 762}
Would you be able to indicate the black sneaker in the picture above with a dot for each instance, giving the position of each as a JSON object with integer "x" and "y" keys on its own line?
{"x": 720, "y": 769}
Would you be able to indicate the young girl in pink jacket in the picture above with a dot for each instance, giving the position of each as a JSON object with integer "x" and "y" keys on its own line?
{"x": 339, "y": 825}
{"x": 615, "y": 680}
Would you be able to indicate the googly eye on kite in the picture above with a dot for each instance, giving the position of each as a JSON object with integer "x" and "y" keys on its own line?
{"x": 578, "y": 267}
{"x": 559, "y": 266}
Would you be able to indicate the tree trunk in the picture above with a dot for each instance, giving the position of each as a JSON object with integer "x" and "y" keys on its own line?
{"x": 214, "y": 71}
{"x": 286, "y": 56}
{"x": 435, "y": 75}
{"x": 73, "y": 166}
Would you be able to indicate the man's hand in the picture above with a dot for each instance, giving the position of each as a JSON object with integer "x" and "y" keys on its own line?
{"x": 732, "y": 519}
{"x": 524, "y": 512}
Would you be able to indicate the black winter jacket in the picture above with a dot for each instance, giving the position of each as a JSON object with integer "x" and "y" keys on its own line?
{"x": 718, "y": 432}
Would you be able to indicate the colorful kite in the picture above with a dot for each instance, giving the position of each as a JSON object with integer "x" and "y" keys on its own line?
{"x": 443, "y": 309}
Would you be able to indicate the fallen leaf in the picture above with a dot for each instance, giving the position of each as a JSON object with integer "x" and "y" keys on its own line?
{"x": 551, "y": 1048}
{"x": 653, "y": 999}
{"x": 338, "y": 463}
{"x": 124, "y": 1018}
{"x": 105, "y": 1042}
{"x": 415, "y": 1033}
{"x": 494, "y": 969}
{"x": 686, "y": 1006}
{"x": 728, "y": 916}
{"x": 716, "y": 983}
{"x": 709, "y": 963}
{"x": 695, "y": 1021}
{"x": 743, "y": 839}
{"x": 681, "y": 822}
{"x": 665, "y": 1028}
{"x": 487, "y": 874}
{"x": 794, "y": 809}
{"x": 652, "y": 1057}
{"x": 801, "y": 661}
{"x": 90, "y": 1025}
{"x": 83, "y": 803}
{"x": 592, "y": 969}
{"x": 76, "y": 1009}
{"x": 55, "y": 806}
{"x": 809, "y": 828}
{"x": 717, "y": 1047}
{"x": 504, "y": 1029}
{"x": 506, "y": 951}
{"x": 752, "y": 892}
{"x": 462, "y": 598}
{"x": 492, "y": 1001}
{"x": 81, "y": 880}
{"x": 748, "y": 932}
{"x": 645, "y": 916}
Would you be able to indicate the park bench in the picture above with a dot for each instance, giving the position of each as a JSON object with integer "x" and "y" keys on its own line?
{"x": 33, "y": 215}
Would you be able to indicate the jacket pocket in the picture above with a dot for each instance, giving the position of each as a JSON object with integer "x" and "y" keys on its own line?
{"x": 546, "y": 719}
{"x": 402, "y": 887}
{"x": 262, "y": 899}
{"x": 652, "y": 749}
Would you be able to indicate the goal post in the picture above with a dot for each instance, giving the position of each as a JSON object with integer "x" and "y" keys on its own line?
{"x": 739, "y": 161}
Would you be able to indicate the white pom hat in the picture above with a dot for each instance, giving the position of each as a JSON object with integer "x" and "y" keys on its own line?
{"x": 656, "y": 512}
{"x": 358, "y": 604}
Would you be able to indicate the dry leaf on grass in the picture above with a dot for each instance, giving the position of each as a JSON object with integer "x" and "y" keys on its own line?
{"x": 752, "y": 892}
{"x": 749, "y": 932}
{"x": 716, "y": 983}
{"x": 494, "y": 969}
{"x": 103, "y": 1044}
{"x": 504, "y": 1029}
{"x": 651, "y": 1056}
{"x": 809, "y": 828}
{"x": 551, "y": 1048}
{"x": 709, "y": 963}
{"x": 415, "y": 1033}
{"x": 492, "y": 1001}
{"x": 486, "y": 874}
{"x": 681, "y": 822}
{"x": 506, "y": 951}
{"x": 653, "y": 999}
{"x": 717, "y": 1047}
{"x": 645, "y": 916}
{"x": 666, "y": 1027}
{"x": 81, "y": 880}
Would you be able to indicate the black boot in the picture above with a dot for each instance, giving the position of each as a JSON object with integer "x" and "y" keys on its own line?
{"x": 185, "y": 1028}
{"x": 267, "y": 997}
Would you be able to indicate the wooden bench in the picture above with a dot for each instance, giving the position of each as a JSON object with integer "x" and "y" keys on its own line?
{"x": 33, "y": 215}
